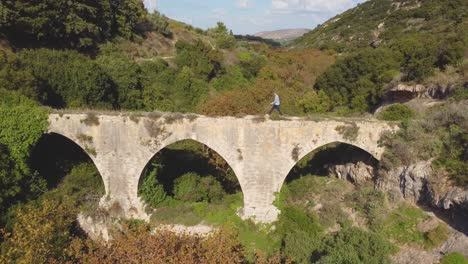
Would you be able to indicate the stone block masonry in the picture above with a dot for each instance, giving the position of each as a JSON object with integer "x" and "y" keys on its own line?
{"x": 122, "y": 144}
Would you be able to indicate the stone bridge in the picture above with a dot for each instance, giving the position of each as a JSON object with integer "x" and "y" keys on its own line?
{"x": 260, "y": 151}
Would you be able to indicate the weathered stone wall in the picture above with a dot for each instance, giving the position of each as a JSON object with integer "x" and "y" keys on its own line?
{"x": 260, "y": 152}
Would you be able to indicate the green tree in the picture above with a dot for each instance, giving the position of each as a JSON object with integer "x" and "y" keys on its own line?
{"x": 151, "y": 190}
{"x": 224, "y": 38}
{"x": 79, "y": 24}
{"x": 157, "y": 80}
{"x": 353, "y": 245}
{"x": 188, "y": 90}
{"x": 68, "y": 78}
{"x": 75, "y": 24}
{"x": 13, "y": 76}
{"x": 191, "y": 187}
{"x": 159, "y": 23}
{"x": 313, "y": 102}
{"x": 396, "y": 112}
{"x": 128, "y": 17}
{"x": 419, "y": 56}
{"x": 41, "y": 233}
{"x": 204, "y": 61}
{"x": 358, "y": 80}
{"x": 21, "y": 126}
{"x": 126, "y": 79}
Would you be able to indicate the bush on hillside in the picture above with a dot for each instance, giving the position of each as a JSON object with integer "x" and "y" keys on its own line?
{"x": 441, "y": 134}
{"x": 396, "y": 112}
{"x": 203, "y": 60}
{"x": 68, "y": 78}
{"x": 41, "y": 233}
{"x": 358, "y": 80}
{"x": 191, "y": 187}
{"x": 159, "y": 23}
{"x": 454, "y": 258}
{"x": 301, "y": 233}
{"x": 314, "y": 102}
{"x": 353, "y": 245}
{"x": 22, "y": 124}
{"x": 151, "y": 190}
{"x": 71, "y": 24}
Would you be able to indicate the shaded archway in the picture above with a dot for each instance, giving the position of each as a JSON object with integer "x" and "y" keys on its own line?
{"x": 68, "y": 169}
{"x": 322, "y": 160}
{"x": 322, "y": 181}
{"x": 185, "y": 176}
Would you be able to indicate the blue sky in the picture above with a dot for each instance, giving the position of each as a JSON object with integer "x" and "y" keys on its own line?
{"x": 252, "y": 16}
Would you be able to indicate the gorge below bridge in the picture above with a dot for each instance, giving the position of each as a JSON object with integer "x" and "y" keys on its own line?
{"x": 260, "y": 151}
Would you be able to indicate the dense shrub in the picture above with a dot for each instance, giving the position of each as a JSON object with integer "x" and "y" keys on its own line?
{"x": 224, "y": 38}
{"x": 159, "y": 23}
{"x": 204, "y": 61}
{"x": 358, "y": 80}
{"x": 314, "y": 102}
{"x": 396, "y": 112}
{"x": 22, "y": 124}
{"x": 454, "y": 258}
{"x": 151, "y": 190}
{"x": 163, "y": 247}
{"x": 191, "y": 187}
{"x": 370, "y": 202}
{"x": 41, "y": 232}
{"x": 441, "y": 134}
{"x": 69, "y": 78}
{"x": 353, "y": 245}
{"x": 301, "y": 233}
{"x": 77, "y": 24}
{"x": 125, "y": 77}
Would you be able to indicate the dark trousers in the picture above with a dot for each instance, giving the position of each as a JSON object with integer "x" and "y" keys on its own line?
{"x": 277, "y": 107}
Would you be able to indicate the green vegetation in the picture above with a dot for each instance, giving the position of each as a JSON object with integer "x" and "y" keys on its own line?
{"x": 22, "y": 124}
{"x": 77, "y": 24}
{"x": 349, "y": 131}
{"x": 115, "y": 55}
{"x": 191, "y": 187}
{"x": 354, "y": 245}
{"x": 440, "y": 134}
{"x": 359, "y": 27}
{"x": 454, "y": 258}
{"x": 396, "y": 112}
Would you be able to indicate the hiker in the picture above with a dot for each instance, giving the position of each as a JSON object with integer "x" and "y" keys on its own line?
{"x": 275, "y": 105}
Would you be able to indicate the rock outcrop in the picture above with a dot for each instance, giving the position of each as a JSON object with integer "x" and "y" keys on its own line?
{"x": 405, "y": 92}
{"x": 357, "y": 173}
{"x": 420, "y": 183}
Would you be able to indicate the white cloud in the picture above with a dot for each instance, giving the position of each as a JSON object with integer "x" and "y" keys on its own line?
{"x": 219, "y": 13}
{"x": 315, "y": 6}
{"x": 150, "y": 4}
{"x": 244, "y": 3}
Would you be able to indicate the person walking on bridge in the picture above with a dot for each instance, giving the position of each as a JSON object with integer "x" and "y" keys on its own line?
{"x": 275, "y": 105}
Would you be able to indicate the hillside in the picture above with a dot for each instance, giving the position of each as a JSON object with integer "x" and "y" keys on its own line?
{"x": 283, "y": 34}
{"x": 378, "y": 22}
{"x": 338, "y": 204}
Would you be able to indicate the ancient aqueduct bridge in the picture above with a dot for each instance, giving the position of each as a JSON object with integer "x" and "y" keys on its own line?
{"x": 261, "y": 152}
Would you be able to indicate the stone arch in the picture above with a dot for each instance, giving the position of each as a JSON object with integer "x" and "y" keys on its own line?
{"x": 226, "y": 156}
{"x": 85, "y": 150}
{"x": 311, "y": 148}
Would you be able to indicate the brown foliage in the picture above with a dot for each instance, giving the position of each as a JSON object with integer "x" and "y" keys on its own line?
{"x": 141, "y": 246}
{"x": 290, "y": 73}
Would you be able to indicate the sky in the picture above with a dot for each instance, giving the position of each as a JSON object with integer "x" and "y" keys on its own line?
{"x": 252, "y": 16}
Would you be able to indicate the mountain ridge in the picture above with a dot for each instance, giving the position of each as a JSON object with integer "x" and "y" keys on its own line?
{"x": 283, "y": 34}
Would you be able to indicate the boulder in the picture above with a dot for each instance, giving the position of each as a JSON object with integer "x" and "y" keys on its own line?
{"x": 357, "y": 173}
